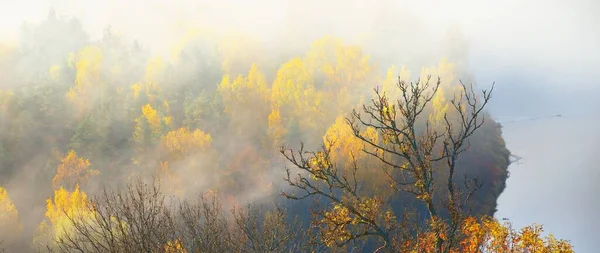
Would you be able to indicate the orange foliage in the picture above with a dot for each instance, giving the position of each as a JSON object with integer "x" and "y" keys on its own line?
{"x": 72, "y": 171}
{"x": 488, "y": 235}
{"x": 174, "y": 247}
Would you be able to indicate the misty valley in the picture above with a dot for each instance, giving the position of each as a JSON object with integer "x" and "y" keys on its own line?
{"x": 223, "y": 143}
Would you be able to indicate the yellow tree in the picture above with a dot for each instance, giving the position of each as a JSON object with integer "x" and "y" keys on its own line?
{"x": 440, "y": 108}
{"x": 60, "y": 210}
{"x": 346, "y": 151}
{"x": 321, "y": 57}
{"x": 183, "y": 142}
{"x": 338, "y": 63}
{"x": 174, "y": 246}
{"x": 152, "y": 78}
{"x": 151, "y": 124}
{"x": 87, "y": 63}
{"x": 136, "y": 89}
{"x": 294, "y": 98}
{"x": 276, "y": 130}
{"x": 182, "y": 149}
{"x": 344, "y": 71}
{"x": 343, "y": 146}
{"x": 247, "y": 99}
{"x": 154, "y": 119}
{"x": 489, "y": 235}
{"x": 10, "y": 226}
{"x": 72, "y": 171}
{"x": 449, "y": 86}
{"x": 388, "y": 84}
{"x": 149, "y": 87}
{"x": 409, "y": 155}
{"x": 445, "y": 71}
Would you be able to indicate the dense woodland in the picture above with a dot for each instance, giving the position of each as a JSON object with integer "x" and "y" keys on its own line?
{"x": 226, "y": 146}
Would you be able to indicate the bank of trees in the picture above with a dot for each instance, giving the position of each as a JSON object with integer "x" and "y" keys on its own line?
{"x": 415, "y": 155}
{"x": 387, "y": 170}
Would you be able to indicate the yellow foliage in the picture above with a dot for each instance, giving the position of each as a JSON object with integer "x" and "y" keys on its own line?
{"x": 152, "y": 117}
{"x": 174, "y": 247}
{"x": 151, "y": 125}
{"x": 276, "y": 130}
{"x": 182, "y": 141}
{"x": 65, "y": 204}
{"x": 136, "y": 88}
{"x": 168, "y": 120}
{"x": 488, "y": 235}
{"x": 165, "y": 106}
{"x": 447, "y": 72}
{"x": 88, "y": 63}
{"x": 440, "y": 107}
{"x": 352, "y": 67}
{"x": 321, "y": 55}
{"x": 344, "y": 69}
{"x": 369, "y": 208}
{"x": 9, "y": 216}
{"x": 341, "y": 64}
{"x": 246, "y": 99}
{"x": 256, "y": 80}
{"x": 340, "y": 139}
{"x": 390, "y": 83}
{"x": 336, "y": 222}
{"x": 294, "y": 95}
{"x": 319, "y": 166}
{"x": 55, "y": 72}
{"x": 529, "y": 238}
{"x": 72, "y": 171}
{"x": 444, "y": 70}
{"x": 292, "y": 82}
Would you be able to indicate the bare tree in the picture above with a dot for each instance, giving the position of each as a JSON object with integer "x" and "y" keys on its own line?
{"x": 416, "y": 155}
{"x": 143, "y": 219}
{"x": 136, "y": 220}
{"x": 267, "y": 230}
{"x": 205, "y": 227}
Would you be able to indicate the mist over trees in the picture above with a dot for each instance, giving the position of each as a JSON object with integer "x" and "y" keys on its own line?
{"x": 106, "y": 147}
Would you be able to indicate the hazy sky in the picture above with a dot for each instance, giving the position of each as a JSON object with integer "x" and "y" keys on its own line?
{"x": 543, "y": 55}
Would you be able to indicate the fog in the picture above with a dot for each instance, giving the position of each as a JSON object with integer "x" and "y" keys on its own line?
{"x": 543, "y": 55}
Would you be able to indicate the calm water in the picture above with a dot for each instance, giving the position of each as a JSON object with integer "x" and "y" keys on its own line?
{"x": 557, "y": 183}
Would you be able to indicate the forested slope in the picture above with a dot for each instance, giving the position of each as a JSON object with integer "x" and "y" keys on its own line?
{"x": 80, "y": 115}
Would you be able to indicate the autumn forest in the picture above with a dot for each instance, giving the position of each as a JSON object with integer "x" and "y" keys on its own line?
{"x": 224, "y": 144}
